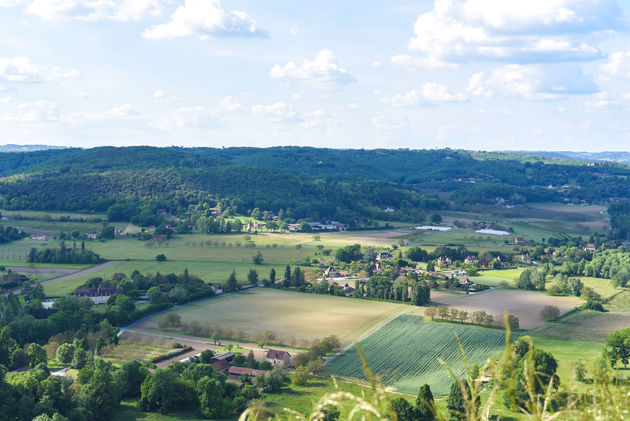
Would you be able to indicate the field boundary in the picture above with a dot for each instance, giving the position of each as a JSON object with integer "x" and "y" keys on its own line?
{"x": 366, "y": 334}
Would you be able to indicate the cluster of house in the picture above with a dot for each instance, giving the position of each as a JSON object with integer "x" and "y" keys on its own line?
{"x": 318, "y": 226}
{"x": 223, "y": 363}
{"x": 98, "y": 295}
{"x": 40, "y": 236}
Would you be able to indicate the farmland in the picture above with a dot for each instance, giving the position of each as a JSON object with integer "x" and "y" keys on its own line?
{"x": 404, "y": 353}
{"x": 288, "y": 314}
{"x": 525, "y": 305}
{"x": 133, "y": 349}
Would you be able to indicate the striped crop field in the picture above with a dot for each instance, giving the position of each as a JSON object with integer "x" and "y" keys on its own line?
{"x": 404, "y": 353}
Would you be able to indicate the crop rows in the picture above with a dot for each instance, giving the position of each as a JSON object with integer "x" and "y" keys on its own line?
{"x": 13, "y": 254}
{"x": 404, "y": 353}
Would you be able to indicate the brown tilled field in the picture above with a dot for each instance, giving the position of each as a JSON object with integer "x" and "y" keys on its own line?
{"x": 525, "y": 305}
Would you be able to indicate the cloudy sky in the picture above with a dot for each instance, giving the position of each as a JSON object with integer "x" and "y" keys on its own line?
{"x": 473, "y": 74}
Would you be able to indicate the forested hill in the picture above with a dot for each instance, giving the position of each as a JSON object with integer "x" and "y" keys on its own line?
{"x": 308, "y": 182}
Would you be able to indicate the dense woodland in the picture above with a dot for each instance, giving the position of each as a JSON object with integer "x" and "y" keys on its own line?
{"x": 305, "y": 183}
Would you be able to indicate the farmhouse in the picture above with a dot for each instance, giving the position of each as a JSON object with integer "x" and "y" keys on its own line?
{"x": 216, "y": 288}
{"x": 465, "y": 281}
{"x": 277, "y": 357}
{"x": 444, "y": 261}
{"x": 38, "y": 237}
{"x": 348, "y": 290}
{"x": 92, "y": 235}
{"x": 331, "y": 272}
{"x": 253, "y": 226}
{"x": 384, "y": 256}
{"x": 339, "y": 226}
{"x": 98, "y": 295}
{"x": 235, "y": 373}
{"x": 590, "y": 247}
{"x": 471, "y": 260}
{"x": 519, "y": 241}
{"x": 526, "y": 259}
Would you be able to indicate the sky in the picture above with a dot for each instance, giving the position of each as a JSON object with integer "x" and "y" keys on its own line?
{"x": 469, "y": 74}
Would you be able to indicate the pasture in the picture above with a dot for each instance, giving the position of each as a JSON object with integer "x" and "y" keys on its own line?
{"x": 404, "y": 353}
{"x": 287, "y": 314}
{"x": 137, "y": 347}
{"x": 525, "y": 305}
{"x": 584, "y": 325}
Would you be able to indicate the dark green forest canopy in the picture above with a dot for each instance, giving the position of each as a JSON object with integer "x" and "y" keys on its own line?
{"x": 312, "y": 182}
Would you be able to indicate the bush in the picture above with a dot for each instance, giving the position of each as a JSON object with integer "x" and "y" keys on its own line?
{"x": 160, "y": 258}
{"x": 549, "y": 313}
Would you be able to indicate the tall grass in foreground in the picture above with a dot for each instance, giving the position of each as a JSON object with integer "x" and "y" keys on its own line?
{"x": 607, "y": 397}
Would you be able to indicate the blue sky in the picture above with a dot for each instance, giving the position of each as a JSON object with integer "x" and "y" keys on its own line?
{"x": 473, "y": 74}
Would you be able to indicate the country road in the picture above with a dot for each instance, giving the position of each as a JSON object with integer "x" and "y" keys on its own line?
{"x": 75, "y": 273}
{"x": 60, "y": 271}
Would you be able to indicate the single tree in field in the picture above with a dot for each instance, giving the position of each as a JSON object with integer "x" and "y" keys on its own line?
{"x": 425, "y": 404}
{"x": 252, "y": 277}
{"x": 287, "y": 276}
{"x": 430, "y": 312}
{"x": 272, "y": 276}
{"x": 455, "y": 401}
{"x": 617, "y": 347}
{"x": 232, "y": 283}
{"x": 403, "y": 409}
{"x": 549, "y": 313}
{"x": 258, "y": 258}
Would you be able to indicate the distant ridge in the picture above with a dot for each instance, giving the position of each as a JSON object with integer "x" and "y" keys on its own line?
{"x": 28, "y": 148}
{"x": 621, "y": 157}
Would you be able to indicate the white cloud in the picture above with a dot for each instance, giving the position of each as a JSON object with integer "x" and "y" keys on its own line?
{"x": 409, "y": 62}
{"x": 377, "y": 63}
{"x": 94, "y": 10}
{"x": 231, "y": 104}
{"x": 19, "y": 69}
{"x": 390, "y": 123}
{"x": 618, "y": 64}
{"x": 512, "y": 30}
{"x": 318, "y": 119}
{"x": 323, "y": 72}
{"x": 606, "y": 101}
{"x": 428, "y": 94}
{"x": 6, "y": 100}
{"x": 279, "y": 112}
{"x": 11, "y": 3}
{"x": 159, "y": 94}
{"x": 126, "y": 112}
{"x": 205, "y": 19}
{"x": 531, "y": 82}
{"x": 197, "y": 116}
{"x": 33, "y": 113}
{"x": 59, "y": 73}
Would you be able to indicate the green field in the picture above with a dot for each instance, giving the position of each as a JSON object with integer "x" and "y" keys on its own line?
{"x": 288, "y": 314}
{"x": 137, "y": 347}
{"x": 621, "y": 302}
{"x": 404, "y": 353}
{"x": 584, "y": 325}
{"x": 211, "y": 257}
{"x": 603, "y": 286}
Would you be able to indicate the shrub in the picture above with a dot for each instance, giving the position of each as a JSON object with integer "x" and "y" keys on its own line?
{"x": 549, "y": 313}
